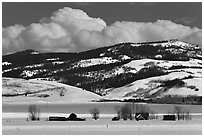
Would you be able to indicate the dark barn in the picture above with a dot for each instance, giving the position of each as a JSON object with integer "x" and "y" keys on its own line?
{"x": 72, "y": 117}
{"x": 57, "y": 118}
{"x": 169, "y": 117}
{"x": 115, "y": 119}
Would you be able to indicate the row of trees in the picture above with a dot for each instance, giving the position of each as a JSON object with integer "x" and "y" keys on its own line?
{"x": 128, "y": 111}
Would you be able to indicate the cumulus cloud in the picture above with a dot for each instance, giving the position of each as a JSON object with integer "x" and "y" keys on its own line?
{"x": 72, "y": 30}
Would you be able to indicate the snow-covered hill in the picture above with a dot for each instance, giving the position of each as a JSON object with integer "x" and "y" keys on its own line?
{"x": 121, "y": 71}
{"x": 153, "y": 87}
{"x": 16, "y": 90}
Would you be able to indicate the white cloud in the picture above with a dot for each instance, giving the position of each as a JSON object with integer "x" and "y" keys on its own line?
{"x": 72, "y": 30}
{"x": 11, "y": 39}
{"x": 194, "y": 37}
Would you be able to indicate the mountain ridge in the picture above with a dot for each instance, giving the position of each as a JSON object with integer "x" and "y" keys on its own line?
{"x": 104, "y": 69}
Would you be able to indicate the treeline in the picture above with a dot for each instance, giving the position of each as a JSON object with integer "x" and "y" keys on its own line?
{"x": 170, "y": 99}
{"x": 120, "y": 79}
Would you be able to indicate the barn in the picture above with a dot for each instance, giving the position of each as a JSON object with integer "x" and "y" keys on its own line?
{"x": 169, "y": 117}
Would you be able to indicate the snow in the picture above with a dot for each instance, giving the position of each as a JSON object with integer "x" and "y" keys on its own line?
{"x": 6, "y": 63}
{"x": 52, "y": 59}
{"x": 7, "y": 115}
{"x": 135, "y": 45}
{"x": 185, "y": 91}
{"x": 193, "y": 72}
{"x": 158, "y": 56}
{"x": 34, "y": 66}
{"x": 102, "y": 54}
{"x": 96, "y": 61}
{"x": 29, "y": 73}
{"x": 117, "y": 71}
{"x": 53, "y": 89}
{"x": 139, "y": 64}
{"x": 15, "y": 122}
{"x": 57, "y": 62}
{"x": 103, "y": 127}
{"x": 149, "y": 86}
{"x": 7, "y": 70}
{"x": 133, "y": 71}
{"x": 125, "y": 57}
{"x": 176, "y": 43}
{"x": 199, "y": 55}
{"x": 34, "y": 52}
{"x": 182, "y": 92}
{"x": 170, "y": 43}
{"x": 107, "y": 74}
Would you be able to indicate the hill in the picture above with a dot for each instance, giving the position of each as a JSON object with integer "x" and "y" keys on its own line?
{"x": 125, "y": 70}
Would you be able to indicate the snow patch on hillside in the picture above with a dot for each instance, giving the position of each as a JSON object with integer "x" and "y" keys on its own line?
{"x": 6, "y": 63}
{"x": 31, "y": 73}
{"x": 34, "y": 66}
{"x": 8, "y": 70}
{"x": 125, "y": 57}
{"x": 139, "y": 64}
{"x": 102, "y": 54}
{"x": 34, "y": 52}
{"x": 57, "y": 62}
{"x": 95, "y": 61}
{"x": 52, "y": 59}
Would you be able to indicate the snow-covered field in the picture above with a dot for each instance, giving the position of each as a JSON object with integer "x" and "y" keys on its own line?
{"x": 14, "y": 120}
{"x": 78, "y": 101}
{"x": 103, "y": 127}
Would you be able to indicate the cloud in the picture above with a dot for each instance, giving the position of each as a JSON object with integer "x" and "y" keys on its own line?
{"x": 72, "y": 30}
{"x": 195, "y": 38}
{"x": 11, "y": 39}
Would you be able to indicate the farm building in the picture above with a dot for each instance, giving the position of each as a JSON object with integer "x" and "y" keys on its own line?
{"x": 169, "y": 117}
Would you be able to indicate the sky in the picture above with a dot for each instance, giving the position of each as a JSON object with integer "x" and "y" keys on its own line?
{"x": 81, "y": 26}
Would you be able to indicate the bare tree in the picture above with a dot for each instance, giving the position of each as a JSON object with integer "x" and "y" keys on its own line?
{"x": 153, "y": 115}
{"x": 95, "y": 113}
{"x": 33, "y": 112}
{"x": 118, "y": 110}
{"x": 129, "y": 110}
{"x": 187, "y": 115}
{"x": 126, "y": 112}
{"x": 178, "y": 110}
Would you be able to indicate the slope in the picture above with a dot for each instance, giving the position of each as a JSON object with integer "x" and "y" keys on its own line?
{"x": 26, "y": 91}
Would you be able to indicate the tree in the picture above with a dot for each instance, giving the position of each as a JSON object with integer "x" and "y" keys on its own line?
{"x": 126, "y": 112}
{"x": 95, "y": 113}
{"x": 187, "y": 115}
{"x": 141, "y": 108}
{"x": 33, "y": 112}
{"x": 178, "y": 110}
{"x": 118, "y": 110}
